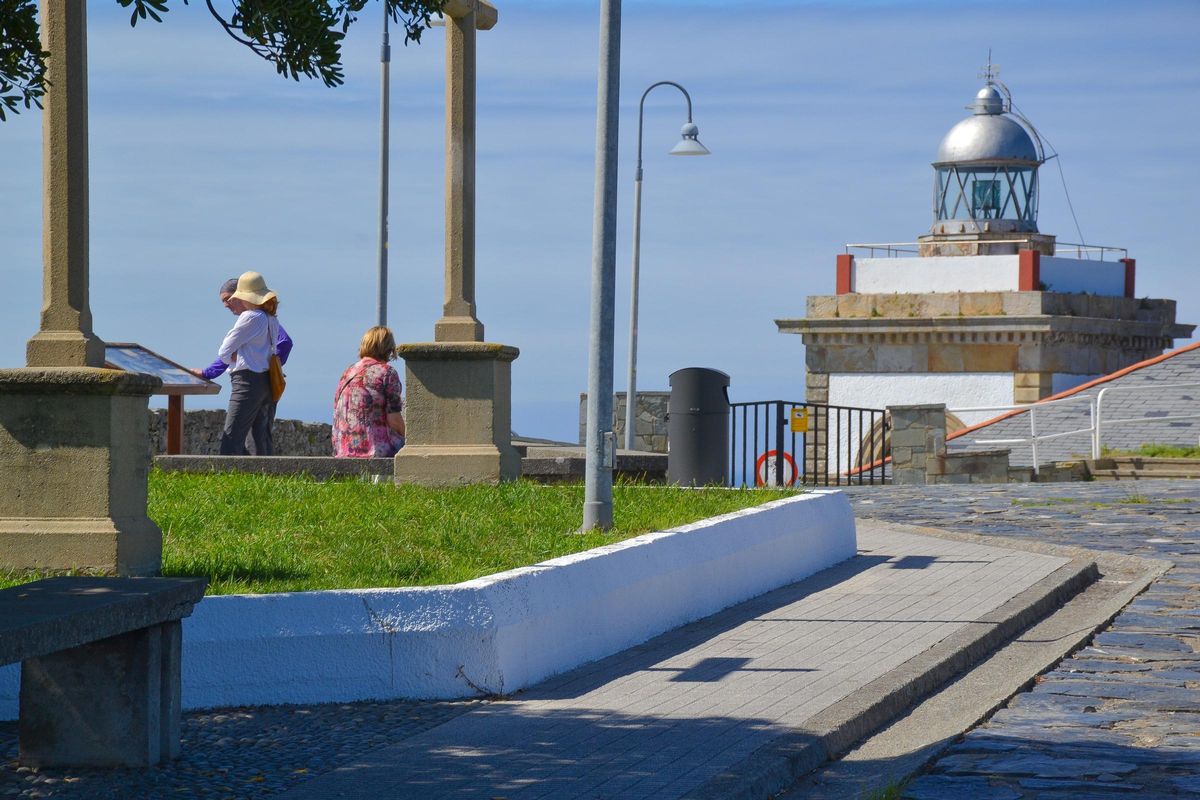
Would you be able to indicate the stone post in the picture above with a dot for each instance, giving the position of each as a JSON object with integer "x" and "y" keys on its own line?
{"x": 918, "y": 437}
{"x": 74, "y": 456}
{"x": 458, "y": 387}
{"x": 458, "y": 322}
{"x": 458, "y": 414}
{"x": 74, "y": 445}
{"x": 65, "y": 338}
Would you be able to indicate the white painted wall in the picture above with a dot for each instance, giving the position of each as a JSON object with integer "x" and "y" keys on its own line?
{"x": 881, "y": 390}
{"x": 956, "y": 390}
{"x": 936, "y": 274}
{"x": 984, "y": 274}
{"x": 1080, "y": 275}
{"x": 503, "y": 632}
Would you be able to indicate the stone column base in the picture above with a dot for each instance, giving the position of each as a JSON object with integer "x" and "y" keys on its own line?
{"x": 74, "y": 457}
{"x": 455, "y": 465}
{"x": 458, "y": 414}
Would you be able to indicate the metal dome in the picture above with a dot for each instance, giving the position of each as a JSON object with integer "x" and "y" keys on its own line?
{"x": 988, "y": 136}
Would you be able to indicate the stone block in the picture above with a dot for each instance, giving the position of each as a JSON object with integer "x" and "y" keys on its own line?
{"x": 112, "y": 703}
{"x": 855, "y": 305}
{"x": 911, "y": 436}
{"x": 908, "y": 476}
{"x": 458, "y": 414}
{"x": 945, "y": 358}
{"x": 941, "y": 304}
{"x": 981, "y": 304}
{"x": 1022, "y": 304}
{"x": 896, "y": 305}
{"x": 989, "y": 358}
{"x": 902, "y": 456}
{"x": 852, "y": 358}
{"x": 901, "y": 358}
{"x": 80, "y": 437}
{"x": 821, "y": 306}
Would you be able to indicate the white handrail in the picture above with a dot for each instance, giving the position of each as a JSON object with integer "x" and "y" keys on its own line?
{"x": 1032, "y": 408}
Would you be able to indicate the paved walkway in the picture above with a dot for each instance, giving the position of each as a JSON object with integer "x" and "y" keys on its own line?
{"x": 1121, "y": 717}
{"x": 661, "y": 720}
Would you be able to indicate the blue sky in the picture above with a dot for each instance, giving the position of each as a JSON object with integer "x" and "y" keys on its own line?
{"x": 822, "y": 119}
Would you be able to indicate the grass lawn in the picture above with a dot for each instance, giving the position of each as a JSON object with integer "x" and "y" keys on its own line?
{"x": 252, "y": 533}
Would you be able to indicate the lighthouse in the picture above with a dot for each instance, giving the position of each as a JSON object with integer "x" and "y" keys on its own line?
{"x": 984, "y": 309}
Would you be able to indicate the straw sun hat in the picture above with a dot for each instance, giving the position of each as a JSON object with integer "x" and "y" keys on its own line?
{"x": 252, "y": 288}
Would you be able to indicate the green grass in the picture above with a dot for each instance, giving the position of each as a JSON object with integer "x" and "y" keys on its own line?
{"x": 1158, "y": 451}
{"x": 262, "y": 534}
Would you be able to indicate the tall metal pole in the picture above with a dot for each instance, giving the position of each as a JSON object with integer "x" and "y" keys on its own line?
{"x": 385, "y": 59}
{"x": 600, "y": 446}
{"x": 631, "y": 395}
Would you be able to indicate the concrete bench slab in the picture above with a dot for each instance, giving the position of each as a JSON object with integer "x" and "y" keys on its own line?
{"x": 100, "y": 667}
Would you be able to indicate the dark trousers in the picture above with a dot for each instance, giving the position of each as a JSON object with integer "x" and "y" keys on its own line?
{"x": 249, "y": 412}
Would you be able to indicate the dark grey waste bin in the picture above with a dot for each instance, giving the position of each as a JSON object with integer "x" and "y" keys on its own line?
{"x": 698, "y": 427}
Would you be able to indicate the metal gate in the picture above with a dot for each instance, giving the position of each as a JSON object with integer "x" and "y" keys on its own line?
{"x": 785, "y": 443}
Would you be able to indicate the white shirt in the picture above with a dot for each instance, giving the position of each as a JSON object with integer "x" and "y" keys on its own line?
{"x": 249, "y": 343}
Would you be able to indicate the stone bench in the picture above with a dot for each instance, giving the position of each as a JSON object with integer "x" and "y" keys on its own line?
{"x": 100, "y": 667}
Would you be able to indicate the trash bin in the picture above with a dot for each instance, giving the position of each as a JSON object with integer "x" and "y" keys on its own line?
{"x": 698, "y": 427}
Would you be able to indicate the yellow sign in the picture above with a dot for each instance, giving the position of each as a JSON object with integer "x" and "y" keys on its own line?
{"x": 799, "y": 419}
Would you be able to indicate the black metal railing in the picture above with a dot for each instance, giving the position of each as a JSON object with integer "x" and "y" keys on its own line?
{"x": 784, "y": 443}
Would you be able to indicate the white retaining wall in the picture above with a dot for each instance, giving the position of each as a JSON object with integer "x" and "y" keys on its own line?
{"x": 499, "y": 633}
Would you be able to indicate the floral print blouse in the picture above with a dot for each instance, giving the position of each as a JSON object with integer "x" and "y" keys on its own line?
{"x": 367, "y": 392}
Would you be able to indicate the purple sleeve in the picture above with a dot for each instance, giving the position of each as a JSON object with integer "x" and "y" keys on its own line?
{"x": 214, "y": 370}
{"x": 393, "y": 400}
{"x": 283, "y": 345}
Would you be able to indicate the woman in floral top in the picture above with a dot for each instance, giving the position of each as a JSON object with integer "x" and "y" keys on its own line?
{"x": 368, "y": 412}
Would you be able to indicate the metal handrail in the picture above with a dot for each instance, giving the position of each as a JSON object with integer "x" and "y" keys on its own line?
{"x": 1081, "y": 251}
{"x": 1096, "y": 412}
{"x": 1096, "y": 434}
{"x": 1033, "y": 437}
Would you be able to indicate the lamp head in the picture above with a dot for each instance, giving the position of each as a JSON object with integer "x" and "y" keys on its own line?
{"x": 689, "y": 145}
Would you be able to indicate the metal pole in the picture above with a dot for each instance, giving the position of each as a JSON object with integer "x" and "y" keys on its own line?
{"x": 385, "y": 60}
{"x": 597, "y": 501}
{"x": 631, "y": 395}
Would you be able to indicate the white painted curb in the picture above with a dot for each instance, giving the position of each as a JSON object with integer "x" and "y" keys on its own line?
{"x": 499, "y": 633}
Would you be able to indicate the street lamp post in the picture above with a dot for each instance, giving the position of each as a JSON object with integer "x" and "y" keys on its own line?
{"x": 598, "y": 453}
{"x": 689, "y": 145}
{"x": 385, "y": 59}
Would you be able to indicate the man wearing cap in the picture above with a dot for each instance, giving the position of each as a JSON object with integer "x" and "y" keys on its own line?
{"x": 249, "y": 299}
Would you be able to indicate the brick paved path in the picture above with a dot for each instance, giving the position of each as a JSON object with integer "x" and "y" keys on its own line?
{"x": 664, "y": 718}
{"x": 1122, "y": 717}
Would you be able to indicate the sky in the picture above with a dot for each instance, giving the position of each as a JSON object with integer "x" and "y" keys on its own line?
{"x": 822, "y": 119}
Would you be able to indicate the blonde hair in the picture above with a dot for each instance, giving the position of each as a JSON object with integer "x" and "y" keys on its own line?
{"x": 378, "y": 343}
{"x": 271, "y": 306}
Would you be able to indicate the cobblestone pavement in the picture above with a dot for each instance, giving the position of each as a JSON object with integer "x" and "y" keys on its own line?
{"x": 237, "y": 752}
{"x": 1122, "y": 716}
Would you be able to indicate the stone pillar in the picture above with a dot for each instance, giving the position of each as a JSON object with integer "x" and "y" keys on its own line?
{"x": 918, "y": 438}
{"x": 1029, "y": 387}
{"x": 65, "y": 338}
{"x": 74, "y": 456}
{"x": 458, "y": 410}
{"x": 458, "y": 322}
{"x": 458, "y": 414}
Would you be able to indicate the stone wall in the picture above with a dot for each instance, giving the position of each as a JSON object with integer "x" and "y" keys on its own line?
{"x": 202, "y": 435}
{"x": 651, "y": 433}
{"x": 919, "y": 451}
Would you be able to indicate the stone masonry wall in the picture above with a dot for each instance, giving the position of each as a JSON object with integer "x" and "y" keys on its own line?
{"x": 651, "y": 421}
{"x": 202, "y": 435}
{"x": 919, "y": 451}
